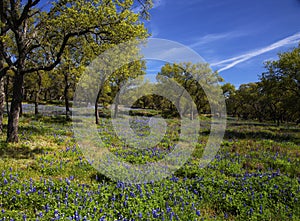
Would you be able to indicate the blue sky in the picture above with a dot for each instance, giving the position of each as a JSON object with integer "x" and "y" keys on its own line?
{"x": 234, "y": 36}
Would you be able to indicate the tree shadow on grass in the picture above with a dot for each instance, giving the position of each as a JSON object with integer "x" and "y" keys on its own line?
{"x": 250, "y": 124}
{"x": 233, "y": 134}
{"x": 257, "y": 135}
{"x": 286, "y": 130}
{"x": 28, "y": 125}
{"x": 18, "y": 152}
{"x": 56, "y": 119}
{"x": 98, "y": 177}
{"x": 33, "y": 130}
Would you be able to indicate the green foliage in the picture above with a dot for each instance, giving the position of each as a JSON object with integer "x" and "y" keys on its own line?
{"x": 68, "y": 36}
{"x": 276, "y": 97}
{"x": 195, "y": 80}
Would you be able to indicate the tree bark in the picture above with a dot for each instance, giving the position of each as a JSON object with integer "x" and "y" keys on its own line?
{"x": 67, "y": 103}
{"x": 13, "y": 119}
{"x": 2, "y": 99}
{"x": 21, "y": 109}
{"x": 36, "y": 104}
{"x": 3, "y": 73}
{"x": 6, "y": 94}
{"x": 96, "y": 106}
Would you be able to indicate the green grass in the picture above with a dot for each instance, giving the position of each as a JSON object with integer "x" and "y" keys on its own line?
{"x": 255, "y": 176}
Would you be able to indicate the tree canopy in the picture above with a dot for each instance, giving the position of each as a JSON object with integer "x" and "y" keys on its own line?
{"x": 35, "y": 40}
{"x": 276, "y": 96}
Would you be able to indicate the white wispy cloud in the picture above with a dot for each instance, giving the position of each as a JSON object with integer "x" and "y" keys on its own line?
{"x": 231, "y": 62}
{"x": 158, "y": 3}
{"x": 215, "y": 37}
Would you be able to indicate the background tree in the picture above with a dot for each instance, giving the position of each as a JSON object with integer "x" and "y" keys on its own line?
{"x": 123, "y": 75}
{"x": 3, "y": 66}
{"x": 32, "y": 89}
{"x": 275, "y": 97}
{"x": 188, "y": 75}
{"x": 49, "y": 33}
{"x": 281, "y": 83}
{"x": 229, "y": 92}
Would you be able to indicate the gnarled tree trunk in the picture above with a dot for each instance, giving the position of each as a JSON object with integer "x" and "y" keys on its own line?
{"x": 13, "y": 118}
{"x": 2, "y": 99}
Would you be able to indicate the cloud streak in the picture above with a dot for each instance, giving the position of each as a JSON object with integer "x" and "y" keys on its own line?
{"x": 215, "y": 37}
{"x": 158, "y": 3}
{"x": 231, "y": 62}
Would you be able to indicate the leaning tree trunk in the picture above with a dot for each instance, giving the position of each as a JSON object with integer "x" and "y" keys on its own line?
{"x": 2, "y": 99}
{"x": 13, "y": 118}
{"x": 96, "y": 106}
{"x": 66, "y": 92}
{"x": 36, "y": 103}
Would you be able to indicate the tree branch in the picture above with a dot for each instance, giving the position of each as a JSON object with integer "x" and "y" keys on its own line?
{"x": 60, "y": 52}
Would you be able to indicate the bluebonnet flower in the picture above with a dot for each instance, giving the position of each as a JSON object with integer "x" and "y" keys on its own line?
{"x": 155, "y": 214}
{"x": 171, "y": 215}
{"x": 169, "y": 209}
{"x": 225, "y": 216}
{"x": 47, "y": 208}
{"x": 56, "y": 214}
{"x": 251, "y": 211}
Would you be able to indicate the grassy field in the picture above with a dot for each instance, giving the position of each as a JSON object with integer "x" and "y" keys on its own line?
{"x": 254, "y": 176}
